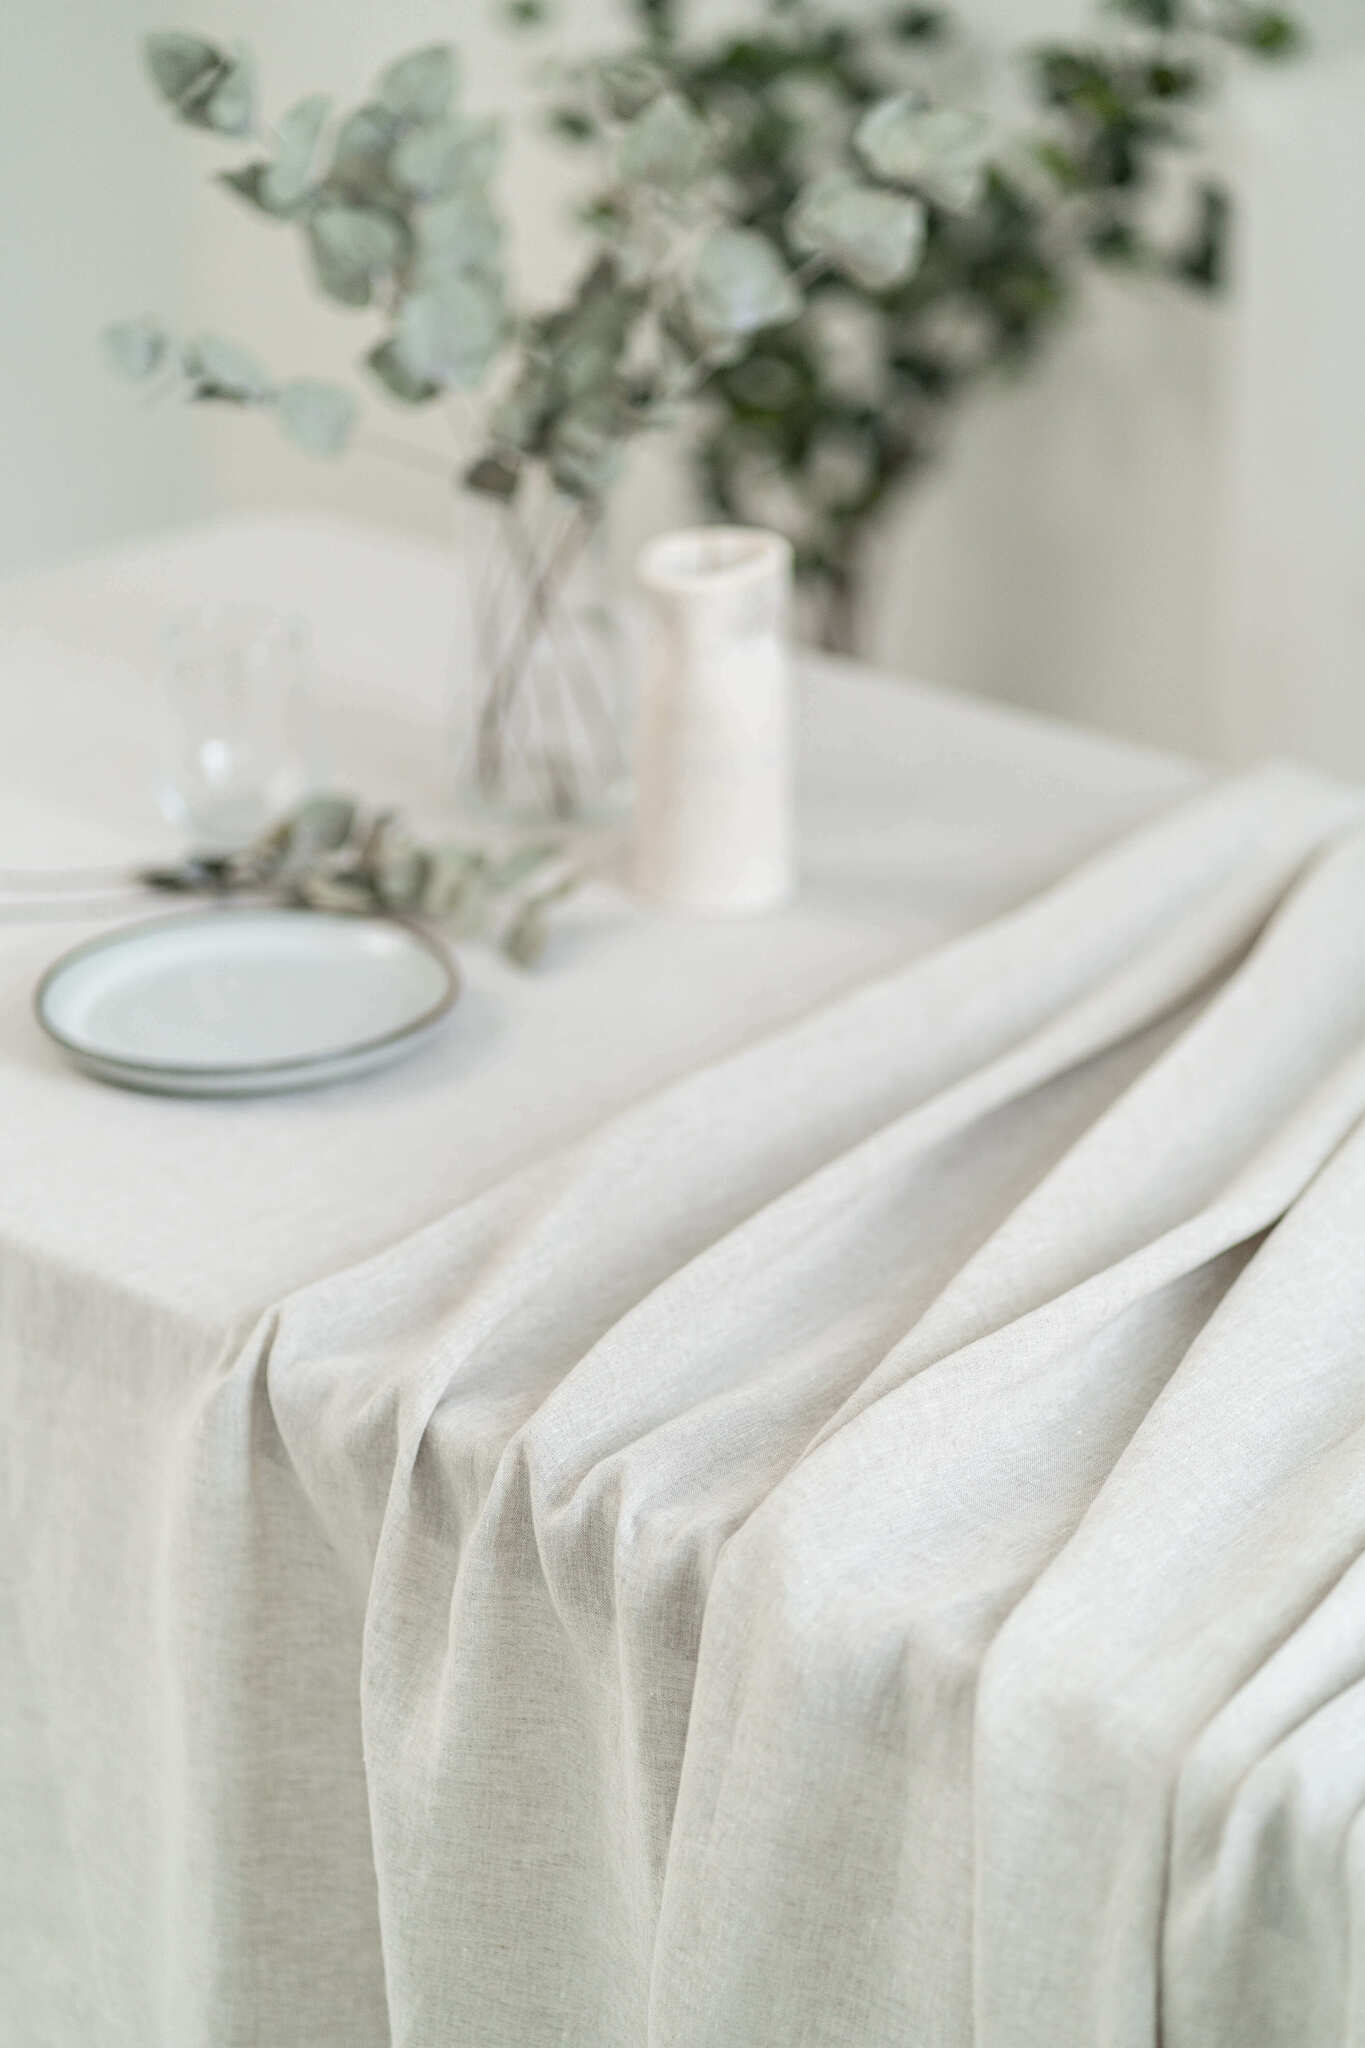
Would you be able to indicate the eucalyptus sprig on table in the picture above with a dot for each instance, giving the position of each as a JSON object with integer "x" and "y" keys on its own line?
{"x": 329, "y": 854}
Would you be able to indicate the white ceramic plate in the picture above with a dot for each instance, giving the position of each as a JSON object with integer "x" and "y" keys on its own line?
{"x": 237, "y": 1001}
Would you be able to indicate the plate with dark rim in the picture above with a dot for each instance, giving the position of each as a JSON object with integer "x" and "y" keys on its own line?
{"x": 241, "y": 1000}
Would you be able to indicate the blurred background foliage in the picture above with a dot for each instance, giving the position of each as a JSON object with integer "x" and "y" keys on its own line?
{"x": 821, "y": 422}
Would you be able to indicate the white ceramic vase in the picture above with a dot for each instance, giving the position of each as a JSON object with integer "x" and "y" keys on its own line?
{"x": 713, "y": 757}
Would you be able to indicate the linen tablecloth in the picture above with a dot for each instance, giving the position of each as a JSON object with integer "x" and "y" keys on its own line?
{"x": 855, "y": 1543}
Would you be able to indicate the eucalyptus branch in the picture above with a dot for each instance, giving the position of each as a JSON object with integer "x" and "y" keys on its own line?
{"x": 331, "y": 855}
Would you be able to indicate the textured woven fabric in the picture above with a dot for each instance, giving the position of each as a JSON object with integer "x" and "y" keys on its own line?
{"x": 861, "y": 1550}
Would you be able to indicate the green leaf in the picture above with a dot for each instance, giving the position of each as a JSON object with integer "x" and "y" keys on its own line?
{"x": 1159, "y": 14}
{"x": 360, "y": 158}
{"x": 418, "y": 87}
{"x": 524, "y": 938}
{"x": 1059, "y": 163}
{"x": 1202, "y": 260}
{"x": 496, "y": 476}
{"x": 920, "y": 24}
{"x": 582, "y": 346}
{"x": 628, "y": 84}
{"x": 449, "y": 332}
{"x": 584, "y": 452}
{"x": 317, "y": 417}
{"x": 351, "y": 246}
{"x": 224, "y": 369}
{"x": 440, "y": 156}
{"x": 348, "y": 895}
{"x": 135, "y": 348}
{"x": 739, "y": 285}
{"x": 520, "y": 415}
{"x": 178, "y": 63}
{"x": 524, "y": 861}
{"x": 400, "y": 875}
{"x": 571, "y": 124}
{"x": 451, "y": 872}
{"x": 941, "y": 151}
{"x": 250, "y": 183}
{"x": 231, "y": 107}
{"x": 1269, "y": 32}
{"x": 388, "y": 366}
{"x": 461, "y": 233}
{"x": 296, "y": 140}
{"x": 666, "y": 145}
{"x": 321, "y": 824}
{"x": 873, "y": 237}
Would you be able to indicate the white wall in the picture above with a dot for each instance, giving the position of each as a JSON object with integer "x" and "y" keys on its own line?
{"x": 1158, "y": 532}
{"x": 1291, "y": 621}
{"x": 94, "y": 228}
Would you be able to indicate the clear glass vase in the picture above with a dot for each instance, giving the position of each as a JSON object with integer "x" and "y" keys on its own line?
{"x": 539, "y": 704}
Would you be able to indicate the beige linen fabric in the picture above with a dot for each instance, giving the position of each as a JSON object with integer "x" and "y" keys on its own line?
{"x": 862, "y": 1550}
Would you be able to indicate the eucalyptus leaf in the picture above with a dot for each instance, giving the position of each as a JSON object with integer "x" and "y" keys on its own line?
{"x": 525, "y": 936}
{"x": 873, "y": 237}
{"x": 665, "y": 145}
{"x": 318, "y": 417}
{"x": 250, "y": 182}
{"x": 297, "y": 134}
{"x": 353, "y": 245}
{"x": 525, "y": 861}
{"x": 941, "y": 151}
{"x": 219, "y": 368}
{"x": 321, "y": 824}
{"x": 520, "y": 414}
{"x": 350, "y": 895}
{"x": 494, "y": 476}
{"x": 524, "y": 933}
{"x": 418, "y": 87}
{"x": 431, "y": 159}
{"x": 740, "y": 285}
{"x": 629, "y": 83}
{"x": 136, "y": 349}
{"x": 583, "y": 346}
{"x": 584, "y": 453}
{"x": 449, "y": 332}
{"x": 461, "y": 233}
{"x": 230, "y": 107}
{"x": 400, "y": 875}
{"x": 360, "y": 155}
{"x": 441, "y": 156}
{"x": 176, "y": 63}
{"x": 388, "y": 366}
{"x": 449, "y": 874}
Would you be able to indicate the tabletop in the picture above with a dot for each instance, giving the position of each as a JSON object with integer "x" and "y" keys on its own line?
{"x": 921, "y": 813}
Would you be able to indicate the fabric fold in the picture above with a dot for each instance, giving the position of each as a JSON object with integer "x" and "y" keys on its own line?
{"x": 686, "y": 1476}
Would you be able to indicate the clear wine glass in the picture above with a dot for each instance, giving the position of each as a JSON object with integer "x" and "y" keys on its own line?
{"x": 242, "y": 740}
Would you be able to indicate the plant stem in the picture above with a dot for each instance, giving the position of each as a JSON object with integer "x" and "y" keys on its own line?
{"x": 544, "y": 587}
{"x": 580, "y": 684}
{"x": 839, "y": 620}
